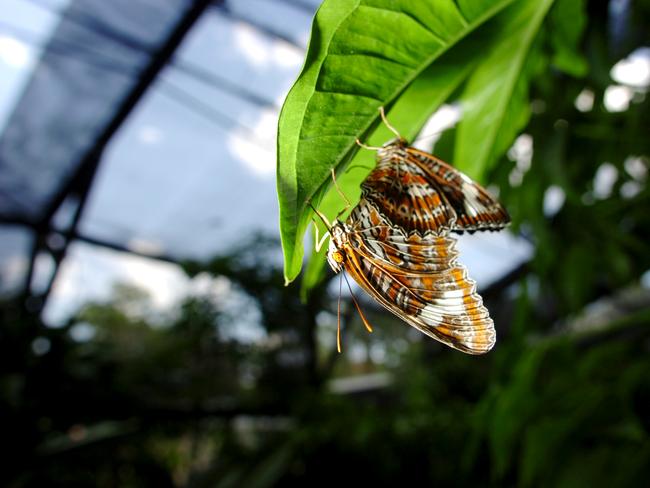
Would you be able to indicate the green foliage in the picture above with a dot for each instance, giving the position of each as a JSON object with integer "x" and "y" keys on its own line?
{"x": 411, "y": 57}
{"x": 552, "y": 421}
{"x": 411, "y": 110}
{"x": 563, "y": 399}
{"x": 495, "y": 100}
{"x": 362, "y": 55}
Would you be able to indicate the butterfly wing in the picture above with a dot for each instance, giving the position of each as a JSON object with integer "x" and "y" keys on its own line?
{"x": 400, "y": 190}
{"x": 475, "y": 208}
{"x": 423, "y": 195}
{"x": 419, "y": 280}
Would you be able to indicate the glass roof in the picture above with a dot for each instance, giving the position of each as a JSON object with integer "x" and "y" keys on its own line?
{"x": 207, "y": 152}
{"x": 190, "y": 173}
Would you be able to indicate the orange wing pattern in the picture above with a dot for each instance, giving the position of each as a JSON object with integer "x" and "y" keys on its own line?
{"x": 422, "y": 194}
{"x": 417, "y": 278}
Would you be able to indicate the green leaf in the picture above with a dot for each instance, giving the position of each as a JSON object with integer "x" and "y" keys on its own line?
{"x": 361, "y": 55}
{"x": 567, "y": 22}
{"x": 495, "y": 100}
{"x": 411, "y": 111}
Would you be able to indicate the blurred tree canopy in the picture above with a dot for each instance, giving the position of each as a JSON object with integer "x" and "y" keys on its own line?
{"x": 121, "y": 397}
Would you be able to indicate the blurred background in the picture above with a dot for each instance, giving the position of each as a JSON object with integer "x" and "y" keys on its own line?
{"x": 146, "y": 337}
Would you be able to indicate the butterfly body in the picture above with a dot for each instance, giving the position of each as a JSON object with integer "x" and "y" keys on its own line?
{"x": 338, "y": 242}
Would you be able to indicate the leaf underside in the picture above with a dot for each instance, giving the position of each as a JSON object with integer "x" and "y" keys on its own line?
{"x": 409, "y": 56}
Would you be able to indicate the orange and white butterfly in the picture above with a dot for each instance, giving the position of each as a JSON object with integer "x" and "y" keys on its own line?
{"x": 395, "y": 244}
{"x": 422, "y": 194}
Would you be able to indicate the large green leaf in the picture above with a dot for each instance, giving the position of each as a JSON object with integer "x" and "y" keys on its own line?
{"x": 495, "y": 100}
{"x": 361, "y": 55}
{"x": 409, "y": 113}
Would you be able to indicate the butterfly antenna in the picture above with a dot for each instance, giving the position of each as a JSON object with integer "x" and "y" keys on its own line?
{"x": 338, "y": 189}
{"x": 356, "y": 304}
{"x": 321, "y": 216}
{"x": 338, "y": 318}
{"x": 365, "y": 146}
{"x": 385, "y": 120}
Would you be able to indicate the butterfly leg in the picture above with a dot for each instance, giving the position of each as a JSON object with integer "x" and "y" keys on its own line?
{"x": 338, "y": 189}
{"x": 365, "y": 146}
{"x": 321, "y": 240}
{"x": 390, "y": 128}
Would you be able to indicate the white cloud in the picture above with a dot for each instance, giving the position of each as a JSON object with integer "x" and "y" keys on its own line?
{"x": 145, "y": 246}
{"x": 259, "y": 160}
{"x": 89, "y": 274}
{"x": 252, "y": 44}
{"x": 286, "y": 55}
{"x": 150, "y": 134}
{"x": 14, "y": 53}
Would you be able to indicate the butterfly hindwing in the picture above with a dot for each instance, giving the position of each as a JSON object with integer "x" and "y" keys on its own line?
{"x": 400, "y": 190}
{"x": 419, "y": 280}
{"x": 422, "y": 194}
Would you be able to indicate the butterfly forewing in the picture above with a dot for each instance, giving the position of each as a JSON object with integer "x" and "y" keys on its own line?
{"x": 475, "y": 208}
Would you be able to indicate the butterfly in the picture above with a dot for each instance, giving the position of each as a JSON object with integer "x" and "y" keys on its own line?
{"x": 395, "y": 244}
{"x": 419, "y": 193}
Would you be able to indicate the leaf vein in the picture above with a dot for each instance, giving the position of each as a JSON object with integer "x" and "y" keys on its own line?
{"x": 374, "y": 56}
{"x": 433, "y": 34}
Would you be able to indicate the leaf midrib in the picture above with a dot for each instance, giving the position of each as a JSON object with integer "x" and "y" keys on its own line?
{"x": 299, "y": 207}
